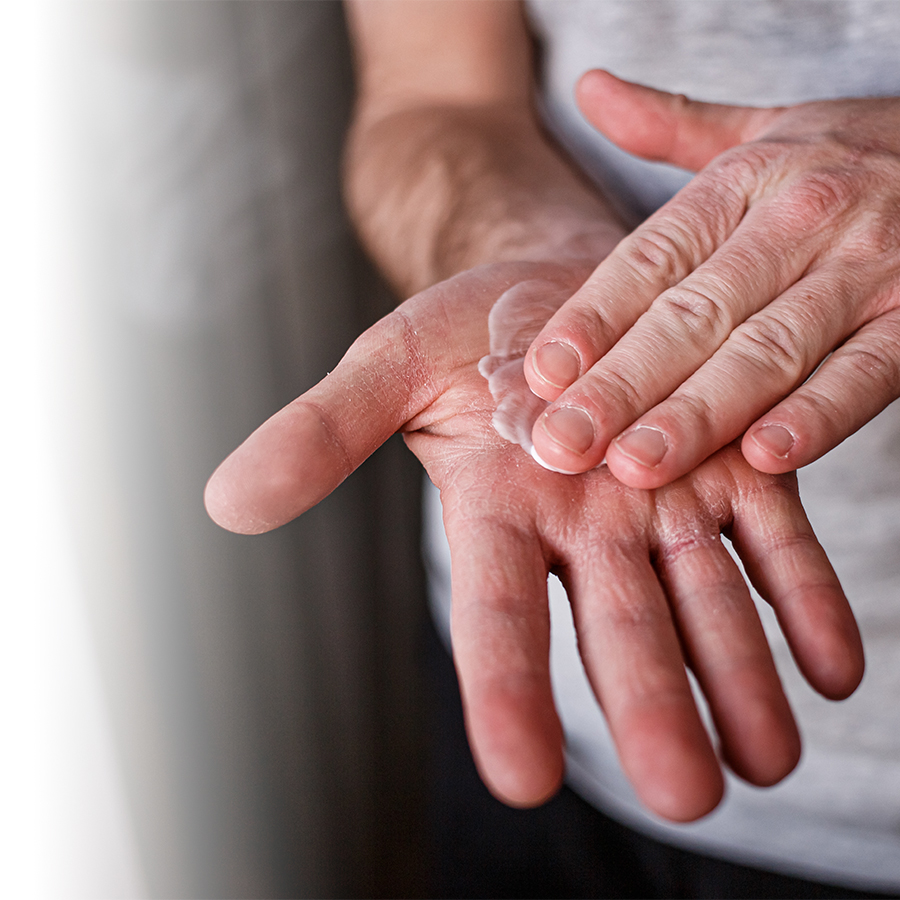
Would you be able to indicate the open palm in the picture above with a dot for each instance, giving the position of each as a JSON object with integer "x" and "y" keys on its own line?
{"x": 652, "y": 587}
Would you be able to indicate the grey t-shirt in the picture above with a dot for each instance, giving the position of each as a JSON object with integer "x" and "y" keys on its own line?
{"x": 837, "y": 817}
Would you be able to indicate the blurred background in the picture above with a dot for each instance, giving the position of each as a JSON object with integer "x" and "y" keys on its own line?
{"x": 190, "y": 713}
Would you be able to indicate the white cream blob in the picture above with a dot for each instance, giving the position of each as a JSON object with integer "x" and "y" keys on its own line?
{"x": 514, "y": 322}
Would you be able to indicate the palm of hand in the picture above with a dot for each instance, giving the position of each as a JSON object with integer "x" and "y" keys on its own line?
{"x": 651, "y": 585}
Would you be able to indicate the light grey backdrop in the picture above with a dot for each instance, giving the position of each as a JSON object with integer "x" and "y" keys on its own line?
{"x": 265, "y": 691}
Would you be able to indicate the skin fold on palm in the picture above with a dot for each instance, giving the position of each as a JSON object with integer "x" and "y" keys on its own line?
{"x": 652, "y": 587}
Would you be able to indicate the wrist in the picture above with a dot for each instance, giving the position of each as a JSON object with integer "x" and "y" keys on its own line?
{"x": 437, "y": 191}
{"x": 561, "y": 234}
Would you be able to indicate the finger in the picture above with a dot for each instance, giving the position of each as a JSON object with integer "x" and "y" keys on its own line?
{"x": 764, "y": 359}
{"x": 664, "y": 250}
{"x": 683, "y": 327}
{"x": 303, "y": 452}
{"x": 850, "y": 388}
{"x": 727, "y": 648}
{"x": 791, "y": 571}
{"x": 501, "y": 645}
{"x": 666, "y": 127}
{"x": 634, "y": 662}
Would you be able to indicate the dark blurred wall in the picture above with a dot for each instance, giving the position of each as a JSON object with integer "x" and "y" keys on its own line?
{"x": 265, "y": 691}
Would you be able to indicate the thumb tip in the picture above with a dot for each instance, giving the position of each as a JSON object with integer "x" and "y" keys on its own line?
{"x": 283, "y": 469}
{"x": 226, "y": 510}
{"x": 593, "y": 81}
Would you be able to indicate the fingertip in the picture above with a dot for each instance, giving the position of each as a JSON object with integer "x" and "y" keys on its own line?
{"x": 667, "y": 755}
{"x": 833, "y": 661}
{"x": 562, "y": 444}
{"x": 593, "y": 83}
{"x": 544, "y": 464}
{"x": 791, "y": 570}
{"x": 783, "y": 760}
{"x": 286, "y": 466}
{"x": 851, "y": 678}
{"x": 772, "y": 448}
{"x": 634, "y": 476}
{"x": 764, "y": 745}
{"x": 838, "y": 682}
{"x": 601, "y": 101}
{"x": 518, "y": 750}
{"x": 683, "y": 783}
{"x": 674, "y": 807}
{"x": 641, "y": 458}
{"x": 677, "y": 806}
{"x": 525, "y": 790}
{"x": 227, "y": 504}
{"x": 218, "y": 502}
{"x": 644, "y": 447}
{"x": 551, "y": 367}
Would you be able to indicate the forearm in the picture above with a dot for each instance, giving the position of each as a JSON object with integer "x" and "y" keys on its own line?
{"x": 437, "y": 190}
{"x": 446, "y": 164}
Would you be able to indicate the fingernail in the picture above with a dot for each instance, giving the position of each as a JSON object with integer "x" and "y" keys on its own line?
{"x": 570, "y": 428}
{"x": 774, "y": 439}
{"x": 557, "y": 364}
{"x": 646, "y": 446}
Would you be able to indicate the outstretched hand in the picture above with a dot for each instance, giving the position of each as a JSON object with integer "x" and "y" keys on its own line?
{"x": 652, "y": 587}
{"x": 711, "y": 318}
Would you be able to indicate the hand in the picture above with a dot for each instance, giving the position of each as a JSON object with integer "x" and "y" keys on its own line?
{"x": 652, "y": 587}
{"x": 712, "y": 317}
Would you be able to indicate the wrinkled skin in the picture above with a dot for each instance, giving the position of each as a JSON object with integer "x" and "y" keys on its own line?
{"x": 651, "y": 585}
{"x": 779, "y": 261}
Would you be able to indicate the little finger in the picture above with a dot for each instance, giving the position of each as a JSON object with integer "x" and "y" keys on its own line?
{"x": 851, "y": 387}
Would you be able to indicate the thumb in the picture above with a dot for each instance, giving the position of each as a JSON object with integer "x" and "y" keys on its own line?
{"x": 301, "y": 454}
{"x": 667, "y": 127}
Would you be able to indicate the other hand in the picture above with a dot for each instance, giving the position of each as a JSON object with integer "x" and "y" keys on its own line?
{"x": 763, "y": 298}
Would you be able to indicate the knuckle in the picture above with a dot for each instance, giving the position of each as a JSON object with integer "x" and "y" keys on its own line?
{"x": 587, "y": 327}
{"x": 682, "y": 540}
{"x": 772, "y": 343}
{"x": 876, "y": 236}
{"x": 656, "y": 254}
{"x": 874, "y": 363}
{"x": 335, "y": 436}
{"x": 747, "y": 166}
{"x": 817, "y": 412}
{"x": 695, "y": 312}
{"x": 793, "y": 543}
{"x": 817, "y": 197}
{"x": 625, "y": 392}
{"x": 695, "y": 414}
{"x": 397, "y": 338}
{"x": 771, "y": 494}
{"x": 751, "y": 159}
